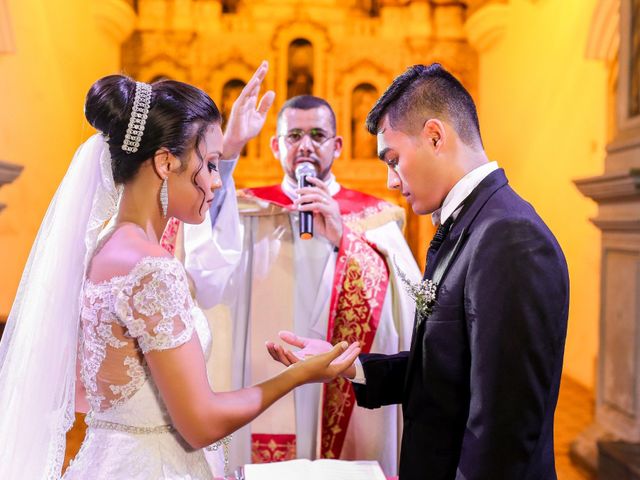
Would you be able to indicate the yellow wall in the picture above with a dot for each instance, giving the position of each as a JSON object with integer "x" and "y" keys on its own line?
{"x": 60, "y": 51}
{"x": 542, "y": 109}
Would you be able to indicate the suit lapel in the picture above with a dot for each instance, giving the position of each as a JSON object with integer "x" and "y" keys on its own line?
{"x": 444, "y": 263}
{"x": 476, "y": 200}
{"x": 452, "y": 245}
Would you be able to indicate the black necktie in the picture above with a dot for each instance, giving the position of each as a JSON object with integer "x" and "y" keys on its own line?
{"x": 440, "y": 235}
{"x": 438, "y": 238}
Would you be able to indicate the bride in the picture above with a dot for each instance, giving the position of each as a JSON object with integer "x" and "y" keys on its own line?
{"x": 100, "y": 295}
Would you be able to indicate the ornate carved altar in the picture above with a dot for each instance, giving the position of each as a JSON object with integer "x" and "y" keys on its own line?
{"x": 347, "y": 52}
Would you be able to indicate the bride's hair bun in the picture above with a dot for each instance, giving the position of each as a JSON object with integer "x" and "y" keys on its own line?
{"x": 108, "y": 103}
{"x": 178, "y": 115}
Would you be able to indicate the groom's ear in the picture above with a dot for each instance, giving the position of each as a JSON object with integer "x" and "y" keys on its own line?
{"x": 434, "y": 134}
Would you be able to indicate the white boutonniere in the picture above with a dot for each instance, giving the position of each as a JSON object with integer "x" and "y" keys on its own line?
{"x": 423, "y": 293}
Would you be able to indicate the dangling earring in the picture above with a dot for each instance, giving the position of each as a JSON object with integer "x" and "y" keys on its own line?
{"x": 164, "y": 197}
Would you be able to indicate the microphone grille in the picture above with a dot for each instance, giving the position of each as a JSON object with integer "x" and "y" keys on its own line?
{"x": 305, "y": 169}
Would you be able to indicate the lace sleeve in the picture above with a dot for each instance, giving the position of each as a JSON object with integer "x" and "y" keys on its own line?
{"x": 154, "y": 304}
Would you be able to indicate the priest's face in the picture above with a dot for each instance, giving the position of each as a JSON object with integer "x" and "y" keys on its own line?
{"x": 306, "y": 136}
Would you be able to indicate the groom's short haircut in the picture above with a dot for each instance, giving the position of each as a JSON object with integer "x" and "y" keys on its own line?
{"x": 424, "y": 92}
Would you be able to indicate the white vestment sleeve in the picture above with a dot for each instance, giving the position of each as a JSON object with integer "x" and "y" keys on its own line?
{"x": 212, "y": 251}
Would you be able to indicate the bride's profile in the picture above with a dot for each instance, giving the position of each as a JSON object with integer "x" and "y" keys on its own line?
{"x": 103, "y": 320}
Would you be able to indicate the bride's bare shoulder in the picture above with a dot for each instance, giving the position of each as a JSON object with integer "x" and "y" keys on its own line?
{"x": 121, "y": 252}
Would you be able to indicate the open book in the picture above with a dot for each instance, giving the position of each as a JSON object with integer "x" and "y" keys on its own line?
{"x": 314, "y": 470}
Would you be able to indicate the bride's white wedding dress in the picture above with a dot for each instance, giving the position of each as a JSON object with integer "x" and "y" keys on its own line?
{"x": 129, "y": 434}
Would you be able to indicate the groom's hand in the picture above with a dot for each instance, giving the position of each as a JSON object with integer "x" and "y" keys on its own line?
{"x": 308, "y": 347}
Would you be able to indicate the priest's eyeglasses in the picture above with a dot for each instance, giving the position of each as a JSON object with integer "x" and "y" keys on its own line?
{"x": 317, "y": 135}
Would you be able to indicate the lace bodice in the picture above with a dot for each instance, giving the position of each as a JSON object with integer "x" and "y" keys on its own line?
{"x": 130, "y": 434}
{"x": 125, "y": 317}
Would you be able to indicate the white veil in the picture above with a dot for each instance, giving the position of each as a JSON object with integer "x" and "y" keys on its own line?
{"x": 39, "y": 345}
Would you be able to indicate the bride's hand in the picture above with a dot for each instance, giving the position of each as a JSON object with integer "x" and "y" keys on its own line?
{"x": 246, "y": 120}
{"x": 310, "y": 347}
{"x": 325, "y": 367}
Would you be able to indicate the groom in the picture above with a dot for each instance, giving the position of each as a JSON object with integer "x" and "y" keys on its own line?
{"x": 480, "y": 384}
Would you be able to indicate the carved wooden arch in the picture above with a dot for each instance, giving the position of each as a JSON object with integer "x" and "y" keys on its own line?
{"x": 486, "y": 26}
{"x": 362, "y": 72}
{"x": 233, "y": 67}
{"x": 603, "y": 40}
{"x": 116, "y": 18}
{"x": 603, "y": 43}
{"x": 163, "y": 66}
{"x": 318, "y": 36}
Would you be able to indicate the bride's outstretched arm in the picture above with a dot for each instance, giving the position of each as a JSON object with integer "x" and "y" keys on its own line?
{"x": 202, "y": 416}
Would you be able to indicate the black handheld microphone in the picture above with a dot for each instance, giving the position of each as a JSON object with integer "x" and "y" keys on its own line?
{"x": 304, "y": 170}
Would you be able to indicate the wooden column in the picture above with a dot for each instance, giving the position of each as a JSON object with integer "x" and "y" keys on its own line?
{"x": 617, "y": 193}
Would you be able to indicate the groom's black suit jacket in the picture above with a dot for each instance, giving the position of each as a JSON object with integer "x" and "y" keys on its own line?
{"x": 480, "y": 384}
